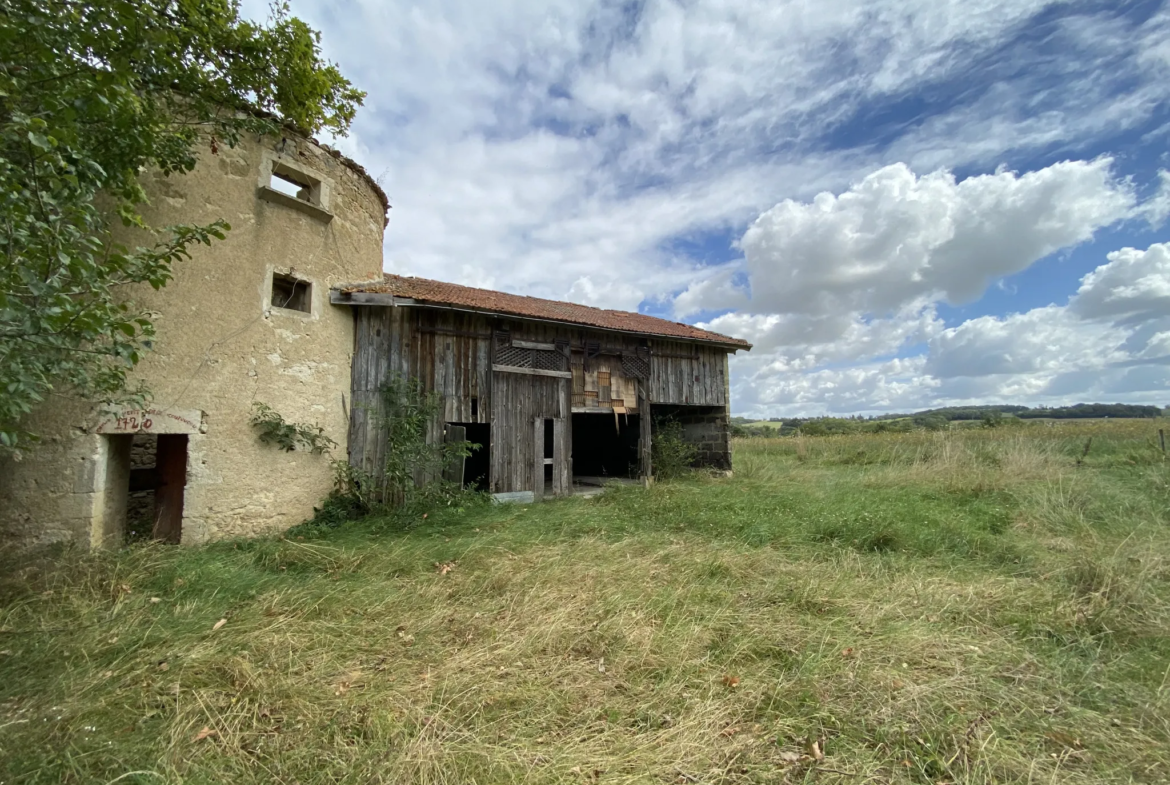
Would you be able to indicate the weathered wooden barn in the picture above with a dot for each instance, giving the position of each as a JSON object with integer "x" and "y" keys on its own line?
{"x": 558, "y": 394}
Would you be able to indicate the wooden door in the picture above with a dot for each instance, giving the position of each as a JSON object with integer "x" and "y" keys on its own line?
{"x": 518, "y": 400}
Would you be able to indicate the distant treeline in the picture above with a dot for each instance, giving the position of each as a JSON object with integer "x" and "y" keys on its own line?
{"x": 1076, "y": 412}
{"x": 939, "y": 419}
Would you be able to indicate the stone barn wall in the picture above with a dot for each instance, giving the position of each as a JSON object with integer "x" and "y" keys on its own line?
{"x": 706, "y": 427}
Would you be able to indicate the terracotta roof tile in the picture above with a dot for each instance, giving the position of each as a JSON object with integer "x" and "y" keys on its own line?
{"x": 440, "y": 293}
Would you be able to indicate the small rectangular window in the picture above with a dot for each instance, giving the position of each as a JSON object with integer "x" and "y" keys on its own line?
{"x": 290, "y": 187}
{"x": 294, "y": 183}
{"x": 291, "y": 293}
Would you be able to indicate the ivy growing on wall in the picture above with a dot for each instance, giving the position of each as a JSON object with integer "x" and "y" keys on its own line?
{"x": 412, "y": 477}
{"x": 288, "y": 436}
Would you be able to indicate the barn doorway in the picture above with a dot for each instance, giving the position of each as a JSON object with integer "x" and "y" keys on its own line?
{"x": 605, "y": 446}
{"x": 477, "y": 467}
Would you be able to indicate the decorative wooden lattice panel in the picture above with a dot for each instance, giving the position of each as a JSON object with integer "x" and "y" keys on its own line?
{"x": 524, "y": 357}
{"x": 548, "y": 361}
{"x": 635, "y": 366}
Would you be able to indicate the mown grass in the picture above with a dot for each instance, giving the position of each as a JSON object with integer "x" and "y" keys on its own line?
{"x": 969, "y": 607}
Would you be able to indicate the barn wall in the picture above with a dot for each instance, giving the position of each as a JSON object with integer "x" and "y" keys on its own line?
{"x": 453, "y": 353}
{"x": 684, "y": 373}
{"x": 450, "y": 352}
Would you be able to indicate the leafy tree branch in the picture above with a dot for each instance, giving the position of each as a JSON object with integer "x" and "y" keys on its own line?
{"x": 91, "y": 95}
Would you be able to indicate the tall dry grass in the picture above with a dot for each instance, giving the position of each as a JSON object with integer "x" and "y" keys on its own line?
{"x": 970, "y": 609}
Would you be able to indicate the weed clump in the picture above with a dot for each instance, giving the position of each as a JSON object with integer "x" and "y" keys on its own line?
{"x": 413, "y": 477}
{"x": 671, "y": 454}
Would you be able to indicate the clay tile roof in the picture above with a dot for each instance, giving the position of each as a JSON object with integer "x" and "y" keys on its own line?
{"x": 440, "y": 293}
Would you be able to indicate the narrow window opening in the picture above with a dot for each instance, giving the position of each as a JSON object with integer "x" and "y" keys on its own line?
{"x": 549, "y": 440}
{"x": 475, "y": 408}
{"x": 294, "y": 184}
{"x": 291, "y": 293}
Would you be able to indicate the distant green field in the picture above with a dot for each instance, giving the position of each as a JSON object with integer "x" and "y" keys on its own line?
{"x": 974, "y": 606}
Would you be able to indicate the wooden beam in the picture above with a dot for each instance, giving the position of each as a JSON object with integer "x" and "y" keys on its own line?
{"x": 339, "y": 297}
{"x": 538, "y": 462}
{"x": 644, "y": 445}
{"x": 532, "y": 371}
{"x": 544, "y": 347}
{"x": 562, "y": 482}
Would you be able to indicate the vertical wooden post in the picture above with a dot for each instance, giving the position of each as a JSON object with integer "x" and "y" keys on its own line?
{"x": 565, "y": 436}
{"x": 538, "y": 459}
{"x": 644, "y": 422}
{"x": 1162, "y": 439}
{"x": 562, "y": 482}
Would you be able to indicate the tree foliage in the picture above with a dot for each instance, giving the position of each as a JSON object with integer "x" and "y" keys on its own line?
{"x": 91, "y": 95}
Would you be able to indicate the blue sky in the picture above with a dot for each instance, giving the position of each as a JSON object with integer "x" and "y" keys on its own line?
{"x": 902, "y": 204}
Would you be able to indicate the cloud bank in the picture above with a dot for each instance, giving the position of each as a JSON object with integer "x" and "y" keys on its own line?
{"x": 828, "y": 179}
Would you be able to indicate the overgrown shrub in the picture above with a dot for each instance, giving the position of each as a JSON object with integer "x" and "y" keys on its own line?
{"x": 671, "y": 454}
{"x": 411, "y": 479}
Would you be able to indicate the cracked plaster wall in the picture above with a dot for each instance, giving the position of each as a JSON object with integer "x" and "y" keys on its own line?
{"x": 221, "y": 346}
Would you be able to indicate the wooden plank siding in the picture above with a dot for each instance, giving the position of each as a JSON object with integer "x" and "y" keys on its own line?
{"x": 684, "y": 373}
{"x": 452, "y": 353}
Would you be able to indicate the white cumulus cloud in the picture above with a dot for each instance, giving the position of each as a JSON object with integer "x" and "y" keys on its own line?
{"x": 895, "y": 237}
{"x": 1132, "y": 284}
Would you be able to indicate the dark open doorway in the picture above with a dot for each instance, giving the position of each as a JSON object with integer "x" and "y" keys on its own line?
{"x": 157, "y": 479}
{"x": 477, "y": 467}
{"x": 549, "y": 442}
{"x": 605, "y": 447}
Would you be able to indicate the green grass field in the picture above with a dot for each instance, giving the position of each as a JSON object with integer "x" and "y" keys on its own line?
{"x": 959, "y": 607}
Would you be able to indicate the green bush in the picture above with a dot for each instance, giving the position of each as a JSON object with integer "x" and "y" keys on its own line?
{"x": 671, "y": 454}
{"x": 288, "y": 436}
{"x": 411, "y": 480}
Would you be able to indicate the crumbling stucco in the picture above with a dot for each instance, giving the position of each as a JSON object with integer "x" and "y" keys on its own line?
{"x": 221, "y": 346}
